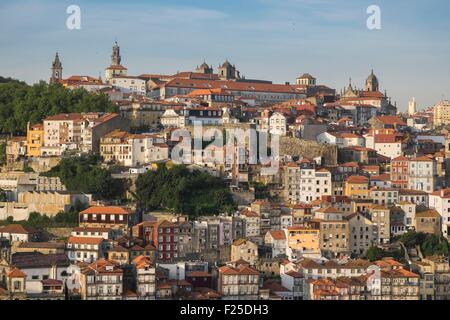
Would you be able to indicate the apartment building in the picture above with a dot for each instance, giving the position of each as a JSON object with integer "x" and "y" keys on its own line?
{"x": 423, "y": 174}
{"x": 245, "y": 250}
{"x": 303, "y": 183}
{"x": 77, "y": 131}
{"x": 132, "y": 150}
{"x": 101, "y": 280}
{"x": 85, "y": 249}
{"x": 144, "y": 273}
{"x": 440, "y": 201}
{"x": 238, "y": 283}
{"x": 117, "y": 218}
{"x": 357, "y": 187}
{"x": 334, "y": 236}
{"x": 362, "y": 235}
{"x": 380, "y": 217}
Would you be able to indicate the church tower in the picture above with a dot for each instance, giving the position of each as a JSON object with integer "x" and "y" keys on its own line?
{"x": 227, "y": 71}
{"x": 115, "y": 57}
{"x": 115, "y": 69}
{"x": 204, "y": 68}
{"x": 412, "y": 107}
{"x": 56, "y": 70}
{"x": 372, "y": 83}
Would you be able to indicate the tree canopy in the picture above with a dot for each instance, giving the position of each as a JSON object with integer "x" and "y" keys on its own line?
{"x": 85, "y": 174}
{"x": 21, "y": 103}
{"x": 430, "y": 244}
{"x": 182, "y": 191}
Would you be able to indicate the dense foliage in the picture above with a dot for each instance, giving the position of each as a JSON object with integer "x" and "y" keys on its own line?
{"x": 261, "y": 190}
{"x": 182, "y": 191}
{"x": 20, "y": 103}
{"x": 2, "y": 154}
{"x": 377, "y": 253}
{"x": 39, "y": 221}
{"x": 85, "y": 174}
{"x": 430, "y": 244}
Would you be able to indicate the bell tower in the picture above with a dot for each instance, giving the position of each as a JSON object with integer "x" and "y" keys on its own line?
{"x": 56, "y": 70}
{"x": 115, "y": 57}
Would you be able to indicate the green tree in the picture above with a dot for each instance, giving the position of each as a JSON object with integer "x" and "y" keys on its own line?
{"x": 374, "y": 254}
{"x": 21, "y": 103}
{"x": 430, "y": 244}
{"x": 85, "y": 174}
{"x": 182, "y": 191}
{"x": 2, "y": 154}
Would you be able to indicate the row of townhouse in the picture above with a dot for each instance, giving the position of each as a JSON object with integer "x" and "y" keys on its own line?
{"x": 386, "y": 279}
{"x": 79, "y": 132}
{"x": 132, "y": 150}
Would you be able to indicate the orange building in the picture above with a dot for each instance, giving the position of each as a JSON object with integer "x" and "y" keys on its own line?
{"x": 35, "y": 139}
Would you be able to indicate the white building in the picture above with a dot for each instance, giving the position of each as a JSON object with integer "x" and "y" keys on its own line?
{"x": 440, "y": 201}
{"x": 132, "y": 150}
{"x": 342, "y": 140}
{"x": 422, "y": 174}
{"x": 278, "y": 124}
{"x": 303, "y": 183}
{"x": 85, "y": 249}
{"x": 129, "y": 84}
{"x": 276, "y": 239}
{"x": 145, "y": 275}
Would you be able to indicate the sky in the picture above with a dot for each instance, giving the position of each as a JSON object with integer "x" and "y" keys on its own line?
{"x": 275, "y": 40}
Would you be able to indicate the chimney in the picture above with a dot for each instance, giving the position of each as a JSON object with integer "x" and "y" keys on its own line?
{"x": 442, "y": 193}
{"x": 287, "y": 83}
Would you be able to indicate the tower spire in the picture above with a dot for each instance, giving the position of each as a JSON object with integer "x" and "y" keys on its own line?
{"x": 56, "y": 69}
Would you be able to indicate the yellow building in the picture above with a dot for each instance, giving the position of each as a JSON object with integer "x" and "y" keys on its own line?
{"x": 357, "y": 187}
{"x": 441, "y": 113}
{"x": 243, "y": 249}
{"x": 303, "y": 239}
{"x": 35, "y": 138}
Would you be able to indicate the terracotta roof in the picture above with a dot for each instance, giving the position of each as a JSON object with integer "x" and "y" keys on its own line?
{"x": 391, "y": 120}
{"x": 105, "y": 210}
{"x": 236, "y": 86}
{"x": 16, "y": 273}
{"x": 91, "y": 229}
{"x": 17, "y": 229}
{"x": 249, "y": 213}
{"x": 65, "y": 117}
{"x": 240, "y": 270}
{"x": 294, "y": 274}
{"x": 328, "y": 210}
{"x": 357, "y": 179}
{"x": 428, "y": 214}
{"x": 386, "y": 138}
{"x": 85, "y": 240}
{"x": 39, "y": 260}
{"x": 278, "y": 235}
{"x": 52, "y": 282}
{"x": 198, "y": 274}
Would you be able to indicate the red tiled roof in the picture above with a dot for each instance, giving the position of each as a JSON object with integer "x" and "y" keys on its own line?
{"x": 391, "y": 120}
{"x": 357, "y": 179}
{"x": 105, "y": 210}
{"x": 16, "y": 273}
{"x": 17, "y": 229}
{"x": 278, "y": 235}
{"x": 85, "y": 240}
